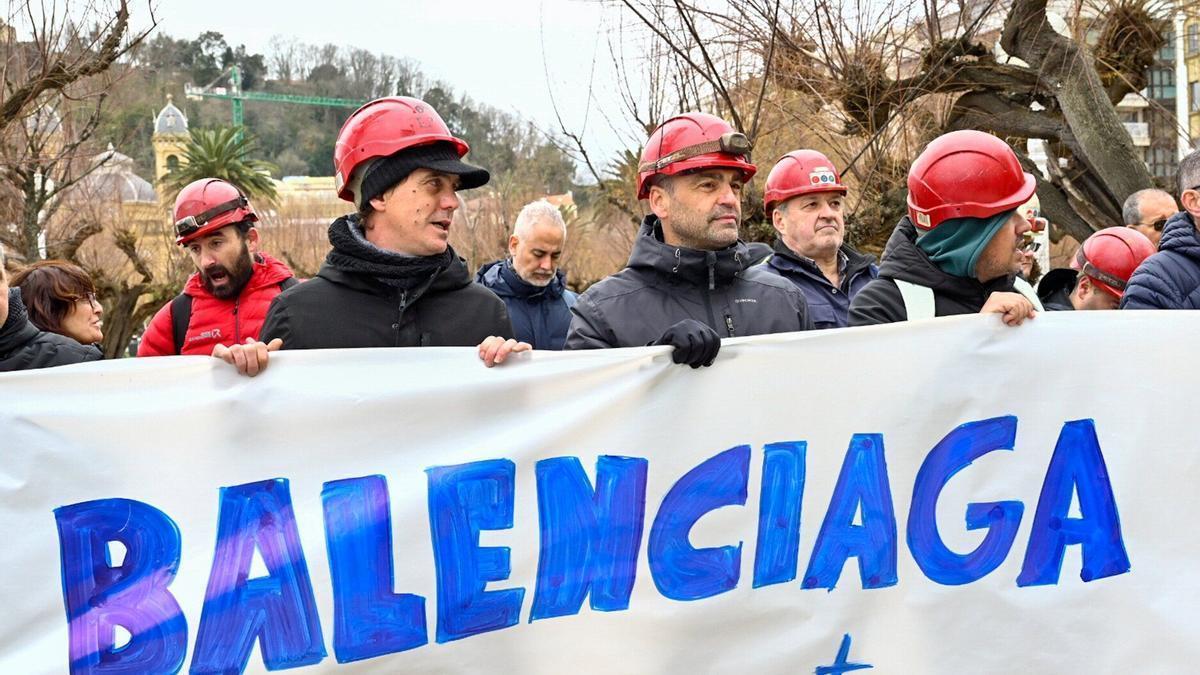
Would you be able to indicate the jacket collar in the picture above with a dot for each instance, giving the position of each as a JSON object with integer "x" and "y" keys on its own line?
{"x": 1180, "y": 235}
{"x": 708, "y": 269}
{"x": 850, "y": 264}
{"x": 503, "y": 280}
{"x": 904, "y": 261}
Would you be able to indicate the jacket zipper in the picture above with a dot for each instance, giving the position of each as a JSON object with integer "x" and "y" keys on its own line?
{"x": 237, "y": 323}
{"x": 711, "y": 260}
{"x": 400, "y": 314}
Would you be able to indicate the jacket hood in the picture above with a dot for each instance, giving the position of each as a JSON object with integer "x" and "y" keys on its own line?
{"x": 17, "y": 329}
{"x": 902, "y": 260}
{"x": 786, "y": 259}
{"x": 502, "y": 279}
{"x": 701, "y": 268}
{"x": 1179, "y": 235}
{"x": 267, "y": 272}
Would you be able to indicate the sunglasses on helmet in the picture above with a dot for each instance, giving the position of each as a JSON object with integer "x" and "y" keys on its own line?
{"x": 185, "y": 227}
{"x": 732, "y": 143}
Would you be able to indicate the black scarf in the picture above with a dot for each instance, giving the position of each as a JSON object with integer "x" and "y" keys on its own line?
{"x": 353, "y": 253}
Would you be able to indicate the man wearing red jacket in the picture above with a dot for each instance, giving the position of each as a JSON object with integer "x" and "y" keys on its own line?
{"x": 225, "y": 301}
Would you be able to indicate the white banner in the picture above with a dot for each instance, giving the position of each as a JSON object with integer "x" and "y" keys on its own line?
{"x": 950, "y": 496}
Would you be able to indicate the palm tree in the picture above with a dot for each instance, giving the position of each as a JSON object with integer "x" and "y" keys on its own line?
{"x": 222, "y": 153}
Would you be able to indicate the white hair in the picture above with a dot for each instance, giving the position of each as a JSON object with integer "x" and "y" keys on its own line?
{"x": 536, "y": 212}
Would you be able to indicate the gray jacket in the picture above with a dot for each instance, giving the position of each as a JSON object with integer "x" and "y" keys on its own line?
{"x": 663, "y": 285}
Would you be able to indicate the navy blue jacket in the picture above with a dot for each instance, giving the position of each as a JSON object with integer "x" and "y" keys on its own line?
{"x": 828, "y": 305}
{"x": 1169, "y": 279}
{"x": 540, "y": 314}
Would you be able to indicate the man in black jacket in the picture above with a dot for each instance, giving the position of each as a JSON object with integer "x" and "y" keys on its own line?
{"x": 954, "y": 252}
{"x": 23, "y": 346}
{"x": 687, "y": 283}
{"x": 392, "y": 279}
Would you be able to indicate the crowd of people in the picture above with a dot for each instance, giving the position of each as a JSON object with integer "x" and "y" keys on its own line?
{"x": 391, "y": 279}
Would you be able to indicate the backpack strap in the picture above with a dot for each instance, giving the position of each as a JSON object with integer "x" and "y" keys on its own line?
{"x": 181, "y": 313}
{"x": 918, "y": 300}
{"x": 181, "y": 316}
{"x": 1021, "y": 286}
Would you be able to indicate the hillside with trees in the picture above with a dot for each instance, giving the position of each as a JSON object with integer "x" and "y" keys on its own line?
{"x": 298, "y": 139}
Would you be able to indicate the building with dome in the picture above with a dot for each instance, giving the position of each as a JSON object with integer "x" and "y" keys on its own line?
{"x": 169, "y": 139}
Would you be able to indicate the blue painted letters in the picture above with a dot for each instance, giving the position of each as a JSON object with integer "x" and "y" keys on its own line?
{"x": 463, "y": 500}
{"x": 862, "y": 484}
{"x": 589, "y": 538}
{"x": 277, "y": 610}
{"x": 684, "y": 573}
{"x": 99, "y": 596}
{"x": 369, "y": 618}
{"x": 952, "y": 454}
{"x": 1077, "y": 465}
{"x": 778, "y": 545}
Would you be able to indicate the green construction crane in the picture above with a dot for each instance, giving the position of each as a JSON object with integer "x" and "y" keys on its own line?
{"x": 235, "y": 94}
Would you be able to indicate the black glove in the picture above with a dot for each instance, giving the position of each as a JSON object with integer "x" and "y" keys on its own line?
{"x": 695, "y": 343}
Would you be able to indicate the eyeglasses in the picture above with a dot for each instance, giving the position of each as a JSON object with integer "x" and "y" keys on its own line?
{"x": 1031, "y": 246}
{"x": 1157, "y": 225}
{"x": 732, "y": 143}
{"x": 90, "y": 298}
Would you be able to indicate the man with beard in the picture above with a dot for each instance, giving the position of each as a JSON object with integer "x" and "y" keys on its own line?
{"x": 955, "y": 251}
{"x": 687, "y": 283}
{"x": 529, "y": 281}
{"x": 392, "y": 279}
{"x": 224, "y": 303}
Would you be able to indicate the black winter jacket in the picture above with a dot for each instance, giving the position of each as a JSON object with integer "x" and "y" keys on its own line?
{"x": 339, "y": 308}
{"x": 880, "y": 300}
{"x": 663, "y": 285}
{"x": 24, "y": 347}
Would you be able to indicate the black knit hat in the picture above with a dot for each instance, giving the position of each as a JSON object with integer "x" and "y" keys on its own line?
{"x": 382, "y": 175}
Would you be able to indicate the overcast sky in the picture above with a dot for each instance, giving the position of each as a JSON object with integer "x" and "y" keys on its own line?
{"x": 490, "y": 50}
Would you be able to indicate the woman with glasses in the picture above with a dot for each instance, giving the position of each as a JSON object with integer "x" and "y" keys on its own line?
{"x": 23, "y": 346}
{"x": 60, "y": 298}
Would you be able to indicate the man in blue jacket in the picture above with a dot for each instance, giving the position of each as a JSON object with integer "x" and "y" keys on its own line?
{"x": 1170, "y": 279}
{"x": 805, "y": 202}
{"x": 529, "y": 280}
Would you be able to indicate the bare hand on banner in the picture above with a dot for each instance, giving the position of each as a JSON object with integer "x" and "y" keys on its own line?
{"x": 250, "y": 359}
{"x": 494, "y": 349}
{"x": 1013, "y": 308}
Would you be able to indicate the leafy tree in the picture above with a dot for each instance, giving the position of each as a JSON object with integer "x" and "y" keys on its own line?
{"x": 223, "y": 153}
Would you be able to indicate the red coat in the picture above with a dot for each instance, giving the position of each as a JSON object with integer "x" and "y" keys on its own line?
{"x": 215, "y": 321}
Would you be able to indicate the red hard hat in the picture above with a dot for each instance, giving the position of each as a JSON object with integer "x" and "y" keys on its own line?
{"x": 1110, "y": 256}
{"x": 965, "y": 174}
{"x": 693, "y": 141}
{"x": 801, "y": 172}
{"x": 207, "y": 205}
{"x": 384, "y": 127}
